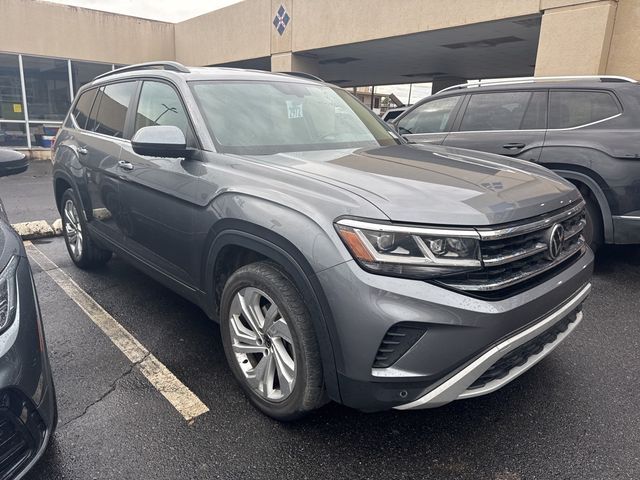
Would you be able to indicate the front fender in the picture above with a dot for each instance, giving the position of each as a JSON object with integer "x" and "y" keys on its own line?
{"x": 240, "y": 233}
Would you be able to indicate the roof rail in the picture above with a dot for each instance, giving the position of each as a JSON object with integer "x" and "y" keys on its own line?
{"x": 482, "y": 83}
{"x": 173, "y": 66}
{"x": 304, "y": 75}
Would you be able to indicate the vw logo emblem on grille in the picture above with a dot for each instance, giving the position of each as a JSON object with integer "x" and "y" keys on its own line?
{"x": 556, "y": 241}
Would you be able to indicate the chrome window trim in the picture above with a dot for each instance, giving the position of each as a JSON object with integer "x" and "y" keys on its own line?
{"x": 531, "y": 130}
{"x": 585, "y": 124}
{"x": 534, "y": 130}
{"x": 627, "y": 217}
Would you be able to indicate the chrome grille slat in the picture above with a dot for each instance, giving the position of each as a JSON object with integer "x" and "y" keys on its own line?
{"x": 531, "y": 227}
{"x": 517, "y": 255}
{"x": 510, "y": 258}
{"x": 521, "y": 277}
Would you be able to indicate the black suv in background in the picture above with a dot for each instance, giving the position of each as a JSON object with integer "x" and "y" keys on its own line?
{"x": 586, "y": 129}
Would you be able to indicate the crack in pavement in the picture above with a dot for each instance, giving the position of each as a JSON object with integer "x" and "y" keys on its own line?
{"x": 111, "y": 389}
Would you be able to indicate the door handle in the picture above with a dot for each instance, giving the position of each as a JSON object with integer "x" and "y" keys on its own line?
{"x": 513, "y": 146}
{"x": 123, "y": 164}
{"x": 83, "y": 150}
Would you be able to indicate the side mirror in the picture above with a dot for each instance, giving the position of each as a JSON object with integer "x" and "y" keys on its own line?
{"x": 12, "y": 163}
{"x": 160, "y": 141}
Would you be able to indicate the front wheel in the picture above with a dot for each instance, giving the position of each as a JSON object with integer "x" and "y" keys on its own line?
{"x": 82, "y": 250}
{"x": 269, "y": 342}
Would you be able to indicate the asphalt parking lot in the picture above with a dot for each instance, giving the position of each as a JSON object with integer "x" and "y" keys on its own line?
{"x": 574, "y": 416}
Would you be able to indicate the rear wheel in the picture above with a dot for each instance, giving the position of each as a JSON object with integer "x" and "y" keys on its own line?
{"x": 270, "y": 343}
{"x": 82, "y": 250}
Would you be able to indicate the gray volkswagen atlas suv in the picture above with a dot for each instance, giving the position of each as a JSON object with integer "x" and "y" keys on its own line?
{"x": 341, "y": 262}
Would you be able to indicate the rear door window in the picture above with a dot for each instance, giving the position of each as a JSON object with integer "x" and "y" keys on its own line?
{"x": 568, "y": 109}
{"x": 504, "y": 111}
{"x": 83, "y": 107}
{"x": 110, "y": 108}
{"x": 430, "y": 117}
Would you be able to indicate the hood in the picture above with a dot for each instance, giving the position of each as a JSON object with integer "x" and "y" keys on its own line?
{"x": 436, "y": 185}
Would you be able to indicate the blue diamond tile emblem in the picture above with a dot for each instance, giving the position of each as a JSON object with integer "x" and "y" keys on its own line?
{"x": 281, "y": 20}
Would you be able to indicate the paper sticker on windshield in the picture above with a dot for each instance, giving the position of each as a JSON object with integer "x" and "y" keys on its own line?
{"x": 294, "y": 110}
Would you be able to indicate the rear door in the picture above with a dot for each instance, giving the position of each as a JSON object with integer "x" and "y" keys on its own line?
{"x": 508, "y": 123}
{"x": 162, "y": 193}
{"x": 99, "y": 147}
{"x": 431, "y": 121}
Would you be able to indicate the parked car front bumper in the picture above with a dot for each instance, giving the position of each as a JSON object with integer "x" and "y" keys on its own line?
{"x": 28, "y": 412}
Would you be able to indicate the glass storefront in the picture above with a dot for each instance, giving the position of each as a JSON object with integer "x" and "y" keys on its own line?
{"x": 35, "y": 95}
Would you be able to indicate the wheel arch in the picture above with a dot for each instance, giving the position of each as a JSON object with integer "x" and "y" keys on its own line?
{"x": 61, "y": 181}
{"x": 594, "y": 188}
{"x": 266, "y": 244}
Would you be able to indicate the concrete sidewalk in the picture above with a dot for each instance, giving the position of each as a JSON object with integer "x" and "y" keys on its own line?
{"x": 29, "y": 196}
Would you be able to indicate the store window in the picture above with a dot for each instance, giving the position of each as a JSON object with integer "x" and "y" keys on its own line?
{"x": 10, "y": 90}
{"x": 47, "y": 88}
{"x": 42, "y": 134}
{"x": 13, "y": 134}
{"x": 83, "y": 72}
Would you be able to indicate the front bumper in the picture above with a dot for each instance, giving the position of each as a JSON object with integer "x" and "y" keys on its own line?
{"x": 461, "y": 333}
{"x": 27, "y": 402}
{"x": 457, "y": 386}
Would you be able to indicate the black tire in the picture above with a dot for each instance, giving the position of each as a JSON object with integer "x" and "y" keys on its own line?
{"x": 593, "y": 230}
{"x": 89, "y": 255}
{"x": 307, "y": 392}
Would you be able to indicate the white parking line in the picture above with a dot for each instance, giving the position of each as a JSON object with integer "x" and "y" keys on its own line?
{"x": 182, "y": 399}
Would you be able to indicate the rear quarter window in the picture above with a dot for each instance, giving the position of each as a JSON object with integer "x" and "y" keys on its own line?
{"x": 110, "y": 108}
{"x": 83, "y": 106}
{"x": 568, "y": 109}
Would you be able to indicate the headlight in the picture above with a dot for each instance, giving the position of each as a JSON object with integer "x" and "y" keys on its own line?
{"x": 408, "y": 251}
{"x": 8, "y": 294}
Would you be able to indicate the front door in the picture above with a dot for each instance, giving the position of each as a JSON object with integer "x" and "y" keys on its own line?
{"x": 505, "y": 123}
{"x": 162, "y": 193}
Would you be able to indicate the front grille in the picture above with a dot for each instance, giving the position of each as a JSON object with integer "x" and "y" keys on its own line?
{"x": 14, "y": 448}
{"x": 21, "y": 433}
{"x": 398, "y": 339}
{"x": 520, "y": 355}
{"x": 519, "y": 252}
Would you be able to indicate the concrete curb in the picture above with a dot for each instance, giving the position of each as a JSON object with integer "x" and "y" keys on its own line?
{"x": 38, "y": 229}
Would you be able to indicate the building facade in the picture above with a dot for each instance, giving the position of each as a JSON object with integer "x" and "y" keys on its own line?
{"x": 47, "y": 51}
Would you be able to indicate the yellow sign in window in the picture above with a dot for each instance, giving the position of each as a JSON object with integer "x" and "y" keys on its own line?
{"x": 17, "y": 108}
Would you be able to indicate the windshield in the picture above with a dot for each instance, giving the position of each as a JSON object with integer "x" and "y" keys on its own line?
{"x": 257, "y": 118}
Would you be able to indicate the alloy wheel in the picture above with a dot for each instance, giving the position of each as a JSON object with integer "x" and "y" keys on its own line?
{"x": 262, "y": 344}
{"x": 73, "y": 228}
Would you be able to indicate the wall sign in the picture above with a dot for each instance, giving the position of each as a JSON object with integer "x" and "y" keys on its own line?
{"x": 281, "y": 20}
